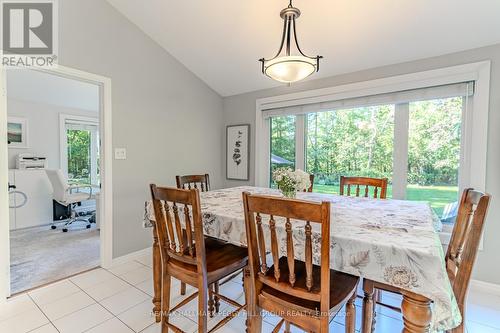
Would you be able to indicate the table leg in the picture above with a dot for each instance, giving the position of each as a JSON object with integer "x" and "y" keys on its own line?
{"x": 156, "y": 277}
{"x": 417, "y": 313}
{"x": 368, "y": 306}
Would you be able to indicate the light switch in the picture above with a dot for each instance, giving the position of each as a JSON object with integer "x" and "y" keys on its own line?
{"x": 120, "y": 153}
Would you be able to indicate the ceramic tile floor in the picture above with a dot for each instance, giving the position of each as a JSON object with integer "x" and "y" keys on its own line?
{"x": 118, "y": 300}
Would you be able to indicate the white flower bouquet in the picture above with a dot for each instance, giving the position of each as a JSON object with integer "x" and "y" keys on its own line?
{"x": 289, "y": 181}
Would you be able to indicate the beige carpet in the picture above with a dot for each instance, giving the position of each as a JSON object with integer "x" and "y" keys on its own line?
{"x": 40, "y": 255}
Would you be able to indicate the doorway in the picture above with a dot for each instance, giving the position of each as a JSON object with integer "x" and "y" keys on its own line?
{"x": 71, "y": 138}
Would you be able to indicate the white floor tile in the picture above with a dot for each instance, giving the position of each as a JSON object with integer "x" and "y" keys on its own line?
{"x": 16, "y": 305}
{"x": 146, "y": 260}
{"x": 24, "y": 322}
{"x": 73, "y": 311}
{"x": 111, "y": 326}
{"x": 237, "y": 325}
{"x": 154, "y": 328}
{"x": 138, "y": 275}
{"x": 138, "y": 317}
{"x": 232, "y": 290}
{"x": 124, "y": 300}
{"x": 49, "y": 328}
{"x": 53, "y": 292}
{"x": 91, "y": 278}
{"x": 64, "y": 306}
{"x": 271, "y": 319}
{"x": 83, "y": 319}
{"x": 176, "y": 319}
{"x": 147, "y": 287}
{"x": 107, "y": 288}
{"x": 388, "y": 324}
{"x": 484, "y": 309}
{"x": 125, "y": 267}
{"x": 473, "y": 327}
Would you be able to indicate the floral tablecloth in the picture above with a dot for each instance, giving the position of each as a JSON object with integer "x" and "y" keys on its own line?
{"x": 390, "y": 241}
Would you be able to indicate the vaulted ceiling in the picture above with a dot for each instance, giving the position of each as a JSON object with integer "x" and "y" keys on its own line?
{"x": 221, "y": 40}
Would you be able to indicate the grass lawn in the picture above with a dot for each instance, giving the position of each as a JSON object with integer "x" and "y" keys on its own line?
{"x": 438, "y": 196}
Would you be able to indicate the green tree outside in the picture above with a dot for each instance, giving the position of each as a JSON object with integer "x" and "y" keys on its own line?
{"x": 360, "y": 142}
{"x": 79, "y": 155}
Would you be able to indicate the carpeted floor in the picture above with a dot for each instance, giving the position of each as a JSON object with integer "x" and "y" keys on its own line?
{"x": 41, "y": 255}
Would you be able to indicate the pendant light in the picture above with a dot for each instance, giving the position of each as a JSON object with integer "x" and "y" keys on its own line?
{"x": 285, "y": 66}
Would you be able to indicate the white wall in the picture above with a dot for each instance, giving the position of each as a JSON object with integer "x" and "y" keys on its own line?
{"x": 169, "y": 121}
{"x": 240, "y": 109}
{"x": 43, "y": 129}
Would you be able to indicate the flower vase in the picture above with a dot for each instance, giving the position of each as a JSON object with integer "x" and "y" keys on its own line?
{"x": 289, "y": 193}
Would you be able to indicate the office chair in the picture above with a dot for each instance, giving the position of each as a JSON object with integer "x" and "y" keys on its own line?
{"x": 63, "y": 194}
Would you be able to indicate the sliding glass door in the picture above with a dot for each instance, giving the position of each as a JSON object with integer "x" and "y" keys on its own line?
{"x": 434, "y": 138}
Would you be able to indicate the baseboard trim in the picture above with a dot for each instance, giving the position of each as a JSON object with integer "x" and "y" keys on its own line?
{"x": 486, "y": 287}
{"x": 131, "y": 256}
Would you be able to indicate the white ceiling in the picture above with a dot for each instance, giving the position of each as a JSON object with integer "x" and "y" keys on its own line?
{"x": 221, "y": 40}
{"x": 40, "y": 87}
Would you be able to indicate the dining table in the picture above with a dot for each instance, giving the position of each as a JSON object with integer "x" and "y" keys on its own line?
{"x": 395, "y": 242}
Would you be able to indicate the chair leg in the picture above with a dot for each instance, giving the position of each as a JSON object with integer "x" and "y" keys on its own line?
{"x": 324, "y": 324}
{"x": 165, "y": 302}
{"x": 183, "y": 288}
{"x": 368, "y": 306}
{"x": 216, "y": 298}
{"x": 254, "y": 313}
{"x": 287, "y": 327}
{"x": 202, "y": 308}
{"x": 377, "y": 298}
{"x": 461, "y": 327}
{"x": 211, "y": 301}
{"x": 350, "y": 319}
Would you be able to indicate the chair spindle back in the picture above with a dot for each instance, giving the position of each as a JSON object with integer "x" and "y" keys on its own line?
{"x": 311, "y": 179}
{"x": 201, "y": 182}
{"x": 284, "y": 213}
{"x": 357, "y": 182}
{"x": 465, "y": 239}
{"x": 180, "y": 242}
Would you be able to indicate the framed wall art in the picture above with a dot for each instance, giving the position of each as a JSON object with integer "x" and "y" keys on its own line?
{"x": 17, "y": 132}
{"x": 237, "y": 152}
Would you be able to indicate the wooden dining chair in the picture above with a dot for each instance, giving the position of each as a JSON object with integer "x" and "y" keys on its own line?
{"x": 303, "y": 294}
{"x": 201, "y": 182}
{"x": 459, "y": 259}
{"x": 311, "y": 179}
{"x": 189, "y": 256}
{"x": 378, "y": 184}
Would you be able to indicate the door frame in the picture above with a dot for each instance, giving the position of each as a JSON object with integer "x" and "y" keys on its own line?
{"x": 106, "y": 196}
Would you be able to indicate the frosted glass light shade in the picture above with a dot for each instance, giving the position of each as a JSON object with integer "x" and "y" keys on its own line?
{"x": 290, "y": 69}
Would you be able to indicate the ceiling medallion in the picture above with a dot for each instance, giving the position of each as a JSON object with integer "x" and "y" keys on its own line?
{"x": 285, "y": 67}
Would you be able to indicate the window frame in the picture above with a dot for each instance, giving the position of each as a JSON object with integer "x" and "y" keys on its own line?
{"x": 472, "y": 172}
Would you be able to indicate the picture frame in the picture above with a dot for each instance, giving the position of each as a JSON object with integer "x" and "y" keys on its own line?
{"x": 238, "y": 152}
{"x": 17, "y": 132}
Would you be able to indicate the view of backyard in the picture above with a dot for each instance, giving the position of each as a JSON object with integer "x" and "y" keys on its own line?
{"x": 360, "y": 142}
{"x": 79, "y": 156}
{"x": 438, "y": 196}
